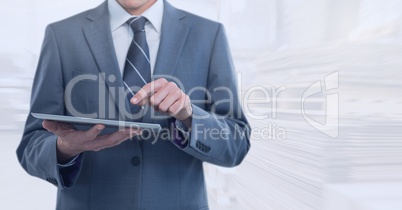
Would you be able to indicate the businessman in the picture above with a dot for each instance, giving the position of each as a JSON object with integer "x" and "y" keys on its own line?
{"x": 142, "y": 61}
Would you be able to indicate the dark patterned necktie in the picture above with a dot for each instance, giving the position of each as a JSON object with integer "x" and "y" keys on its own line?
{"x": 137, "y": 69}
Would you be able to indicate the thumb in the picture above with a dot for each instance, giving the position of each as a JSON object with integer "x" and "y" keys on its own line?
{"x": 51, "y": 126}
{"x": 95, "y": 131}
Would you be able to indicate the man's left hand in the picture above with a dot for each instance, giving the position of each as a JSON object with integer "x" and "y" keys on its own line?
{"x": 165, "y": 97}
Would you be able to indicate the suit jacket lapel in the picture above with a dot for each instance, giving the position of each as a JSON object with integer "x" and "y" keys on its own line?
{"x": 173, "y": 36}
{"x": 99, "y": 37}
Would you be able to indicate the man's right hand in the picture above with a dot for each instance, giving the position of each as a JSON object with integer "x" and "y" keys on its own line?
{"x": 72, "y": 142}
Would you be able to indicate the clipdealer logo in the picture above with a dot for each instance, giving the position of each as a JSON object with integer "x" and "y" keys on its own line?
{"x": 331, "y": 103}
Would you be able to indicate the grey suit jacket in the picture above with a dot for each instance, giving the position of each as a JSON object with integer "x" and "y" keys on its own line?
{"x": 155, "y": 174}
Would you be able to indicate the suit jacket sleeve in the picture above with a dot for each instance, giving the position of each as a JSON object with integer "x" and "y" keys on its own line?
{"x": 220, "y": 132}
{"x": 37, "y": 150}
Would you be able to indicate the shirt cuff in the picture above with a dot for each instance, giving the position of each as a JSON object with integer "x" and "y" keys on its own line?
{"x": 181, "y": 127}
{"x": 69, "y": 171}
{"x": 68, "y": 163}
{"x": 181, "y": 134}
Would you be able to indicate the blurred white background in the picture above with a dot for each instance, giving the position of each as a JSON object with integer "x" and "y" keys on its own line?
{"x": 287, "y": 45}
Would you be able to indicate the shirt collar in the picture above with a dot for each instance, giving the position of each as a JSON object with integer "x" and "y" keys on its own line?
{"x": 119, "y": 16}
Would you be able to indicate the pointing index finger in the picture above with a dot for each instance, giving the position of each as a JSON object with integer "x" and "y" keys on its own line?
{"x": 148, "y": 90}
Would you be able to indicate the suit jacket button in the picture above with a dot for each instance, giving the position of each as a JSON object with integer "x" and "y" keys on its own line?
{"x": 135, "y": 161}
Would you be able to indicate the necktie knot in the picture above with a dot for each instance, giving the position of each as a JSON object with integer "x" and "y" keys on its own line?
{"x": 137, "y": 23}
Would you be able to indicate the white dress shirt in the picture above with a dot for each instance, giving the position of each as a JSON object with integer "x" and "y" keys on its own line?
{"x": 123, "y": 35}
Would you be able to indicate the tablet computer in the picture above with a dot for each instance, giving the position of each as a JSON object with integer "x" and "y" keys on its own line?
{"x": 83, "y": 120}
